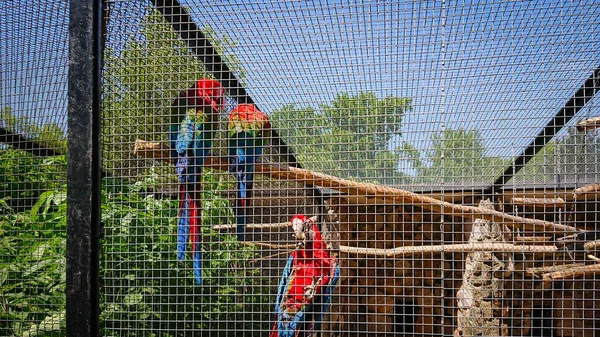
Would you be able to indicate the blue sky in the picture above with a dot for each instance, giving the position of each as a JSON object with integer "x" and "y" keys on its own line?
{"x": 501, "y": 67}
{"x": 33, "y": 59}
{"x": 504, "y": 68}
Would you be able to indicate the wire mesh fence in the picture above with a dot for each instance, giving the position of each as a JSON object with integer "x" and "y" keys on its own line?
{"x": 411, "y": 168}
{"x": 33, "y": 79}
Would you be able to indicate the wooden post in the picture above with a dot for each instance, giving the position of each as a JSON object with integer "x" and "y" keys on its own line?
{"x": 480, "y": 296}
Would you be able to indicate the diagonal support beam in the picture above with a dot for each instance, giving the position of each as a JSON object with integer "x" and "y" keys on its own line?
{"x": 585, "y": 93}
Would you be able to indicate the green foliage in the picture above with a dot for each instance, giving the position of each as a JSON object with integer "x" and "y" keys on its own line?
{"x": 23, "y": 177}
{"x": 50, "y": 134}
{"x": 348, "y": 138}
{"x": 457, "y": 156}
{"x": 32, "y": 268}
{"x": 145, "y": 288}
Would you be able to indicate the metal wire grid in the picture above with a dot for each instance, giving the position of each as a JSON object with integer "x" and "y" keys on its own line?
{"x": 475, "y": 82}
{"x": 33, "y": 79}
{"x": 481, "y": 79}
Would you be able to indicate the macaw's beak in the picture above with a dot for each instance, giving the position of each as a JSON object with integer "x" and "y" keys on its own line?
{"x": 300, "y": 236}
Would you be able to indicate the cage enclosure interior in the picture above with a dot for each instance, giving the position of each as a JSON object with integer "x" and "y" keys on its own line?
{"x": 299, "y": 168}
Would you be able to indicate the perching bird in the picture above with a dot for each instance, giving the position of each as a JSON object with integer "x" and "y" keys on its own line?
{"x": 194, "y": 119}
{"x": 308, "y": 280}
{"x": 249, "y": 132}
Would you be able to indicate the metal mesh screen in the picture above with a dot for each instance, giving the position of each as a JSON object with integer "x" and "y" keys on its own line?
{"x": 447, "y": 153}
{"x": 33, "y": 97}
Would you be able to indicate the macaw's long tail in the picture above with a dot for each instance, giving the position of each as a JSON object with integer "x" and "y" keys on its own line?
{"x": 242, "y": 200}
{"x": 195, "y": 221}
{"x": 183, "y": 224}
{"x": 188, "y": 225}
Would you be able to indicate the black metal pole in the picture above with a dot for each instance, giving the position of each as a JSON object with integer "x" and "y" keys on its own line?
{"x": 83, "y": 168}
{"x": 585, "y": 93}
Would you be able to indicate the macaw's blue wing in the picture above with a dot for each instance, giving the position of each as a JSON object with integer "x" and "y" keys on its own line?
{"x": 285, "y": 325}
{"x": 243, "y": 153}
{"x": 327, "y": 292}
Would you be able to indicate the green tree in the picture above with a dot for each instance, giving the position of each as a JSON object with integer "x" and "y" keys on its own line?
{"x": 457, "y": 156}
{"x": 349, "y": 137}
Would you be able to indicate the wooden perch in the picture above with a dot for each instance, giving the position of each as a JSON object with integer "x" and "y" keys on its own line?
{"x": 526, "y": 239}
{"x": 537, "y": 271}
{"x": 259, "y": 226}
{"x": 572, "y": 272}
{"x": 587, "y": 189}
{"x": 453, "y": 248}
{"x": 252, "y": 226}
{"x": 268, "y": 245}
{"x": 399, "y": 196}
{"x": 539, "y": 202}
{"x": 151, "y": 150}
{"x": 591, "y": 246}
{"x": 588, "y": 124}
{"x": 407, "y": 197}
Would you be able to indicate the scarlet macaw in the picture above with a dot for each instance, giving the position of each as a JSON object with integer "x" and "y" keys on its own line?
{"x": 193, "y": 123}
{"x": 308, "y": 280}
{"x": 249, "y": 132}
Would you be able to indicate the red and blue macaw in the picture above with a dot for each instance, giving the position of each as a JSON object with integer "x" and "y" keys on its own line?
{"x": 307, "y": 283}
{"x": 193, "y": 123}
{"x": 249, "y": 132}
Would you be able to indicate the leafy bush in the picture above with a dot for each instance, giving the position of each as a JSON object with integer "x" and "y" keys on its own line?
{"x": 144, "y": 289}
{"x": 32, "y": 267}
{"x": 23, "y": 177}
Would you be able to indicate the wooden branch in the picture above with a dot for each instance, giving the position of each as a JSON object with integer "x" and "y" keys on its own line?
{"x": 588, "y": 124}
{"x": 452, "y": 248}
{"x": 252, "y": 226}
{"x": 259, "y": 226}
{"x": 407, "y": 197}
{"x": 572, "y": 273}
{"x": 352, "y": 188}
{"x": 587, "y": 189}
{"x": 270, "y": 256}
{"x": 538, "y": 202}
{"x": 591, "y": 246}
{"x": 526, "y": 239}
{"x": 537, "y": 271}
{"x": 267, "y": 245}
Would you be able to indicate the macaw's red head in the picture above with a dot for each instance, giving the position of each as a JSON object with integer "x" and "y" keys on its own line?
{"x": 206, "y": 92}
{"x": 306, "y": 231}
{"x": 247, "y": 117}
